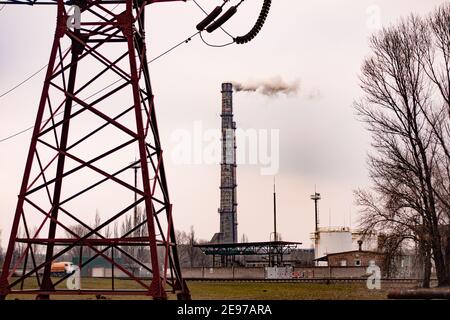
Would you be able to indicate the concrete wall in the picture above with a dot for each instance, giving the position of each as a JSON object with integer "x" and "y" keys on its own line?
{"x": 259, "y": 273}
{"x": 218, "y": 273}
{"x": 193, "y": 273}
{"x": 249, "y": 273}
{"x": 348, "y": 272}
{"x": 311, "y": 273}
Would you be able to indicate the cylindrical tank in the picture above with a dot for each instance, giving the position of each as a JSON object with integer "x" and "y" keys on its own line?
{"x": 332, "y": 240}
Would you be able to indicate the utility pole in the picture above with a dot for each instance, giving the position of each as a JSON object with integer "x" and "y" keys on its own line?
{"x": 273, "y": 257}
{"x": 275, "y": 235}
{"x": 137, "y": 251}
{"x": 136, "y": 166}
{"x": 316, "y": 197}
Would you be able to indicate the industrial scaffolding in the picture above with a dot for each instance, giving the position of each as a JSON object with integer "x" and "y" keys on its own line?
{"x": 273, "y": 250}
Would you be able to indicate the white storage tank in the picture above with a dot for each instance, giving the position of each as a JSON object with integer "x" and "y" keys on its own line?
{"x": 332, "y": 240}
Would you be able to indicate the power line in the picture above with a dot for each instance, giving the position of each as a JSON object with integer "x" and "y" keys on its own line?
{"x": 204, "y": 11}
{"x": 22, "y": 82}
{"x": 188, "y": 39}
{"x": 38, "y": 71}
{"x": 30, "y": 77}
{"x": 215, "y": 45}
{"x": 111, "y": 84}
{"x": 16, "y": 134}
{"x": 174, "y": 47}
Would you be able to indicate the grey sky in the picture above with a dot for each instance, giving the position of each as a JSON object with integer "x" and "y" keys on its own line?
{"x": 322, "y": 43}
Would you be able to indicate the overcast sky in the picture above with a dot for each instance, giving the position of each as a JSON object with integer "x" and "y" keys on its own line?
{"x": 319, "y": 43}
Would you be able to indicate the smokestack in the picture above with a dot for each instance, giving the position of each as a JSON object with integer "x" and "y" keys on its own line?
{"x": 360, "y": 245}
{"x": 228, "y": 202}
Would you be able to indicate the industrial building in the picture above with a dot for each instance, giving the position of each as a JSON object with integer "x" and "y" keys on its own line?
{"x": 336, "y": 252}
{"x": 354, "y": 258}
{"x": 331, "y": 240}
{"x": 224, "y": 247}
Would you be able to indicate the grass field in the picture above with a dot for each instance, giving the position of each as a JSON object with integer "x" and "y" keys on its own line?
{"x": 245, "y": 291}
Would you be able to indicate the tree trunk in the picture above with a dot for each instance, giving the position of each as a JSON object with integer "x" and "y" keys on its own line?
{"x": 447, "y": 253}
{"x": 426, "y": 267}
{"x": 440, "y": 264}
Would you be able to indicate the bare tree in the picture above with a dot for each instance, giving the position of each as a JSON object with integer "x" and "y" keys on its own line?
{"x": 80, "y": 231}
{"x": 107, "y": 233}
{"x": 116, "y": 230}
{"x": 142, "y": 253}
{"x": 192, "y": 242}
{"x": 436, "y": 63}
{"x": 127, "y": 227}
{"x": 189, "y": 255}
{"x": 97, "y": 222}
{"x": 20, "y": 249}
{"x": 406, "y": 109}
{"x": 397, "y": 224}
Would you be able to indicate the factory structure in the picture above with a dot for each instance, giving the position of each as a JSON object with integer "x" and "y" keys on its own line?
{"x": 326, "y": 240}
{"x": 332, "y": 240}
{"x": 228, "y": 200}
{"x": 336, "y": 251}
{"x": 224, "y": 247}
{"x": 224, "y": 244}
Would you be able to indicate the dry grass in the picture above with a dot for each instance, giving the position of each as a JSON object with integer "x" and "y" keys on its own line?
{"x": 284, "y": 291}
{"x": 240, "y": 291}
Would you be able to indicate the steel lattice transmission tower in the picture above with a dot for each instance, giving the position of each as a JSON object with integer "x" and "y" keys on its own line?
{"x": 79, "y": 156}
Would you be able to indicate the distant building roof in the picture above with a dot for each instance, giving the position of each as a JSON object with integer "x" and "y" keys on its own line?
{"x": 96, "y": 262}
{"x": 334, "y": 229}
{"x": 325, "y": 258}
{"x": 247, "y": 248}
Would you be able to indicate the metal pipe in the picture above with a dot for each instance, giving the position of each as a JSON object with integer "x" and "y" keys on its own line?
{"x": 434, "y": 293}
{"x": 275, "y": 235}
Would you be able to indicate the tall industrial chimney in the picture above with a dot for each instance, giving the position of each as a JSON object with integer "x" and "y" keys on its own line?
{"x": 228, "y": 203}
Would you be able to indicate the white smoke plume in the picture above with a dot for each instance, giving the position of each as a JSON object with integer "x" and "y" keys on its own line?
{"x": 270, "y": 87}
